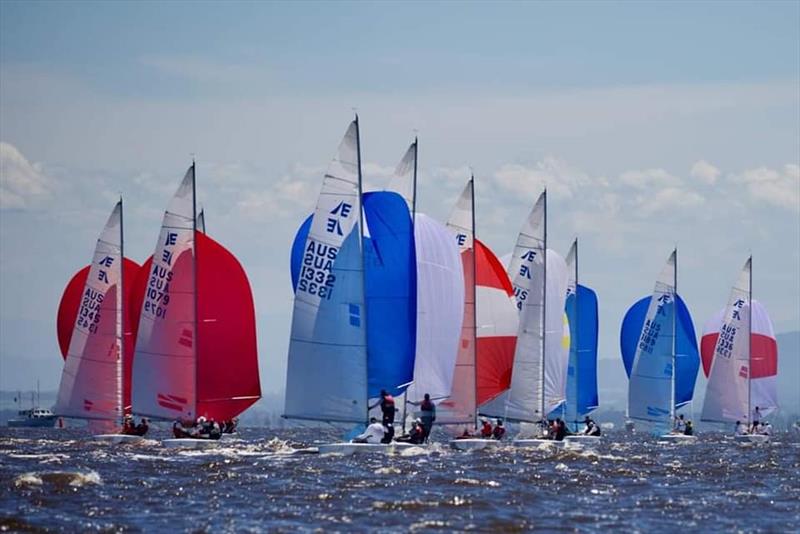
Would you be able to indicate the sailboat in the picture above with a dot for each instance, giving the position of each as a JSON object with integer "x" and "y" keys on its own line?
{"x": 539, "y": 373}
{"x": 659, "y": 349}
{"x": 196, "y": 349}
{"x": 740, "y": 359}
{"x": 440, "y": 294}
{"x": 581, "y": 310}
{"x": 488, "y": 336}
{"x": 331, "y": 374}
{"x": 95, "y": 382}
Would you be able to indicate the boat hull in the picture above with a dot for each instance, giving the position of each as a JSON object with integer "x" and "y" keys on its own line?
{"x": 473, "y": 444}
{"x": 117, "y": 438}
{"x": 751, "y": 438}
{"x": 39, "y": 422}
{"x": 190, "y": 443}
{"x": 677, "y": 438}
{"x": 583, "y": 438}
{"x": 536, "y": 443}
{"x": 364, "y": 448}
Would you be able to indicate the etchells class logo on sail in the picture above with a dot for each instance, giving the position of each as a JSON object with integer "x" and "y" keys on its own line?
{"x": 526, "y": 272}
{"x": 172, "y": 402}
{"x": 316, "y": 277}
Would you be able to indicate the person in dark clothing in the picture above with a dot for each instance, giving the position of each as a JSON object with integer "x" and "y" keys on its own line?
{"x": 427, "y": 415}
{"x": 389, "y": 435}
{"x": 486, "y": 429}
{"x": 561, "y": 430}
{"x": 386, "y": 403}
{"x": 499, "y": 430}
{"x": 689, "y": 430}
{"x": 416, "y": 435}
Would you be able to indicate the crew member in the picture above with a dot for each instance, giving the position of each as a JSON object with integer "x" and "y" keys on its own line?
{"x": 386, "y": 403}
{"x": 486, "y": 428}
{"x": 499, "y": 431}
{"x": 592, "y": 428}
{"x": 374, "y": 433}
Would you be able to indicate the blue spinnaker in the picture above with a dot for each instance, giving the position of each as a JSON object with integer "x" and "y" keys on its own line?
{"x": 582, "y": 313}
{"x": 687, "y": 356}
{"x": 391, "y": 290}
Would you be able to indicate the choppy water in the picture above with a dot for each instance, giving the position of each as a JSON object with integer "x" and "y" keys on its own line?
{"x": 56, "y": 480}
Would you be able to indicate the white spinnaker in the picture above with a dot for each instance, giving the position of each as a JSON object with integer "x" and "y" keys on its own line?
{"x": 523, "y": 401}
{"x": 327, "y": 367}
{"x": 731, "y": 395}
{"x": 164, "y": 364}
{"x": 650, "y": 386}
{"x": 460, "y": 407}
{"x": 440, "y": 308}
{"x": 91, "y": 382}
{"x": 402, "y": 181}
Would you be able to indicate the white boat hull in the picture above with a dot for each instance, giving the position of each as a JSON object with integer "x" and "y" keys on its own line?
{"x": 583, "y": 438}
{"x": 364, "y": 448}
{"x": 677, "y": 438}
{"x": 117, "y": 438}
{"x": 190, "y": 443}
{"x": 473, "y": 444}
{"x": 751, "y": 438}
{"x": 537, "y": 443}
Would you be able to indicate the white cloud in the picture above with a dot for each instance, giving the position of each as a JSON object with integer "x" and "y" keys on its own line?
{"x": 22, "y": 183}
{"x": 778, "y": 187}
{"x": 557, "y": 176}
{"x": 705, "y": 172}
{"x": 646, "y": 178}
{"x": 668, "y": 200}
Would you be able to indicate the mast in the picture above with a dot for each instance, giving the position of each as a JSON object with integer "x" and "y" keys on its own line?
{"x": 121, "y": 304}
{"x": 749, "y": 344}
{"x": 544, "y": 309}
{"x": 194, "y": 277}
{"x": 474, "y": 298}
{"x": 361, "y": 249}
{"x": 577, "y": 346}
{"x": 674, "y": 334}
{"x": 413, "y": 222}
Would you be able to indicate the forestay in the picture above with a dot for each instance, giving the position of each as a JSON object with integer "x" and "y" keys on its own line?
{"x": 92, "y": 380}
{"x": 327, "y": 364}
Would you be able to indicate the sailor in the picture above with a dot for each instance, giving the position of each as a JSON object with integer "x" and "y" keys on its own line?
{"x": 689, "y": 429}
{"x": 592, "y": 428}
{"x": 741, "y": 428}
{"x": 766, "y": 429}
{"x": 127, "y": 425}
{"x": 427, "y": 415}
{"x": 561, "y": 429}
{"x": 142, "y": 428}
{"x": 756, "y": 419}
{"x": 387, "y": 407}
{"x": 680, "y": 425}
{"x": 417, "y": 434}
{"x": 486, "y": 428}
{"x": 499, "y": 431}
{"x": 372, "y": 434}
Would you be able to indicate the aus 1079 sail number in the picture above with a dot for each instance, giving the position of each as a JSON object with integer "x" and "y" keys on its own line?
{"x": 316, "y": 277}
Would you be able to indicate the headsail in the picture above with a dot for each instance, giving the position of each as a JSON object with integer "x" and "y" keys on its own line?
{"x": 581, "y": 310}
{"x": 741, "y": 363}
{"x": 92, "y": 381}
{"x": 328, "y": 346}
{"x": 404, "y": 178}
{"x": 164, "y": 366}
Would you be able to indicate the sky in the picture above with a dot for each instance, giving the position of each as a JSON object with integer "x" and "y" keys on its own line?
{"x": 653, "y": 125}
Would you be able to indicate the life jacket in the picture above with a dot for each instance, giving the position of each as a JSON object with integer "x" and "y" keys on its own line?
{"x": 499, "y": 432}
{"x": 427, "y": 406}
{"x": 387, "y": 401}
{"x": 486, "y": 430}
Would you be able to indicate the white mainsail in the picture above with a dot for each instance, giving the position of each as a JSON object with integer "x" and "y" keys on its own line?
{"x": 732, "y": 393}
{"x": 461, "y": 406}
{"x": 164, "y": 366}
{"x": 404, "y": 178}
{"x": 651, "y": 384}
{"x": 91, "y": 382}
{"x": 327, "y": 367}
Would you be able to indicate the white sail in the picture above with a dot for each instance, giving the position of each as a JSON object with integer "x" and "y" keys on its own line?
{"x": 524, "y": 400}
{"x": 556, "y": 355}
{"x": 731, "y": 395}
{"x": 91, "y": 382}
{"x": 440, "y": 308}
{"x": 403, "y": 178}
{"x": 201, "y": 221}
{"x": 460, "y": 407}
{"x": 327, "y": 367}
{"x": 164, "y": 366}
{"x": 650, "y": 388}
{"x": 572, "y": 269}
